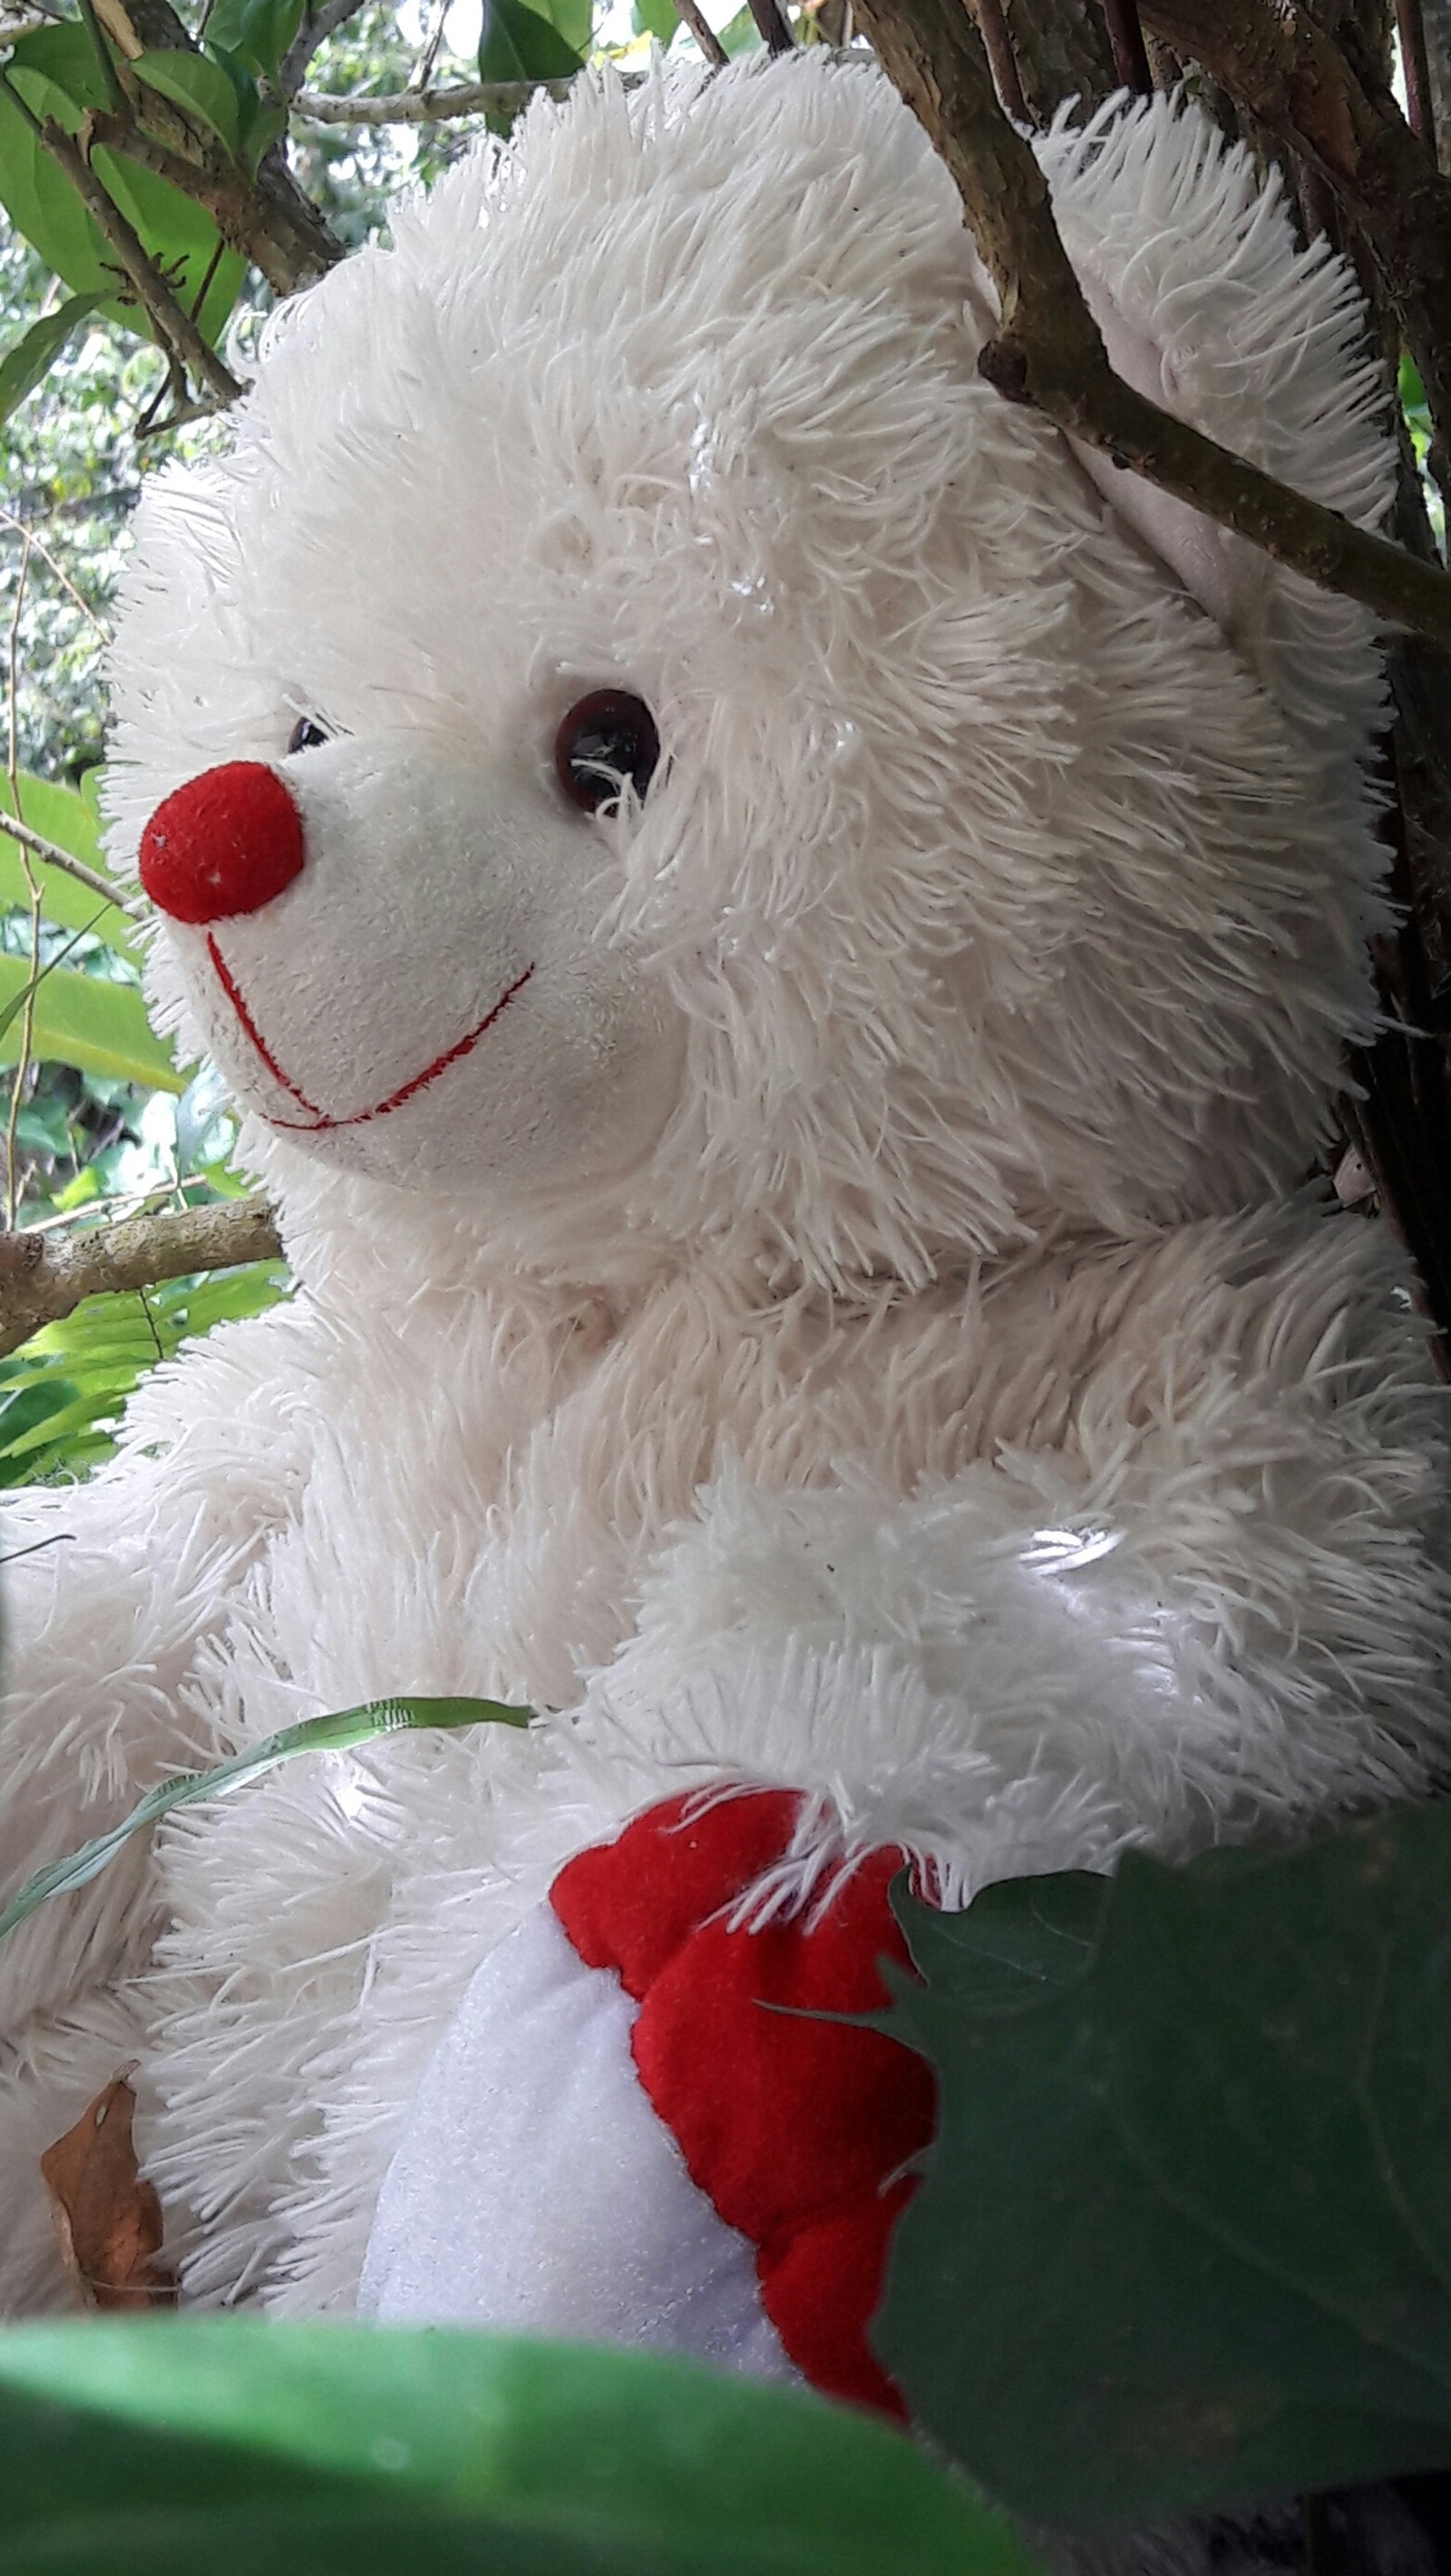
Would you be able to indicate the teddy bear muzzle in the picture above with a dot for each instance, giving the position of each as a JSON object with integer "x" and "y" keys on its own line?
{"x": 228, "y": 842}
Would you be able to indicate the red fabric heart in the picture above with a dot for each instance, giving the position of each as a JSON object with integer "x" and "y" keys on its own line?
{"x": 796, "y": 2129}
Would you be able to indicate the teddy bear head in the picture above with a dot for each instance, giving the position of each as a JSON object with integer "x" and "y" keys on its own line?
{"x": 639, "y": 742}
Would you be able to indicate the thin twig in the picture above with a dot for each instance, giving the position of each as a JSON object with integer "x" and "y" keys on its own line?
{"x": 317, "y": 25}
{"x": 993, "y": 27}
{"x": 27, "y": 534}
{"x": 12, "y": 773}
{"x": 12, "y": 829}
{"x": 1415, "y": 63}
{"x": 1130, "y": 54}
{"x": 422, "y": 72}
{"x": 774, "y": 26}
{"x": 425, "y": 106}
{"x": 44, "y": 1276}
{"x": 1049, "y": 352}
{"x": 694, "y": 17}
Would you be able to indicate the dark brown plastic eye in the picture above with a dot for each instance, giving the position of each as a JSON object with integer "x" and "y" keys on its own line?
{"x": 606, "y": 742}
{"x": 305, "y": 735}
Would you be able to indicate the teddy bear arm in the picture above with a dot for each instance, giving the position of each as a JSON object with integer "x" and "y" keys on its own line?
{"x": 1173, "y": 1631}
{"x": 113, "y": 1589}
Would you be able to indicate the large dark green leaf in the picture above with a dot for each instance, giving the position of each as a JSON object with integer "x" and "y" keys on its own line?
{"x": 1186, "y": 2236}
{"x": 519, "y": 43}
{"x": 235, "y": 2446}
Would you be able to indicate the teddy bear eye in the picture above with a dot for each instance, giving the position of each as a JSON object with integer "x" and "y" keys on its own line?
{"x": 608, "y": 738}
{"x": 305, "y": 735}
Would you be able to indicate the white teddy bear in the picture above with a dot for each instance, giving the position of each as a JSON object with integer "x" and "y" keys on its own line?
{"x": 786, "y": 941}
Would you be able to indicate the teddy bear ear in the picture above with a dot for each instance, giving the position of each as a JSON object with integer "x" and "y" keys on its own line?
{"x": 1209, "y": 304}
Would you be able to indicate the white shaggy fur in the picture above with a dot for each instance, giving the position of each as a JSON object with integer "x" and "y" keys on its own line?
{"x": 859, "y": 1332}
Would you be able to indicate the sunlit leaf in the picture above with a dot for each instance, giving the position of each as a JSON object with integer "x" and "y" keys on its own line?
{"x": 68, "y": 818}
{"x": 87, "y": 1021}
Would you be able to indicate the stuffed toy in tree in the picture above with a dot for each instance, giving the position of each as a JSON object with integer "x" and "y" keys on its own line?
{"x": 786, "y": 941}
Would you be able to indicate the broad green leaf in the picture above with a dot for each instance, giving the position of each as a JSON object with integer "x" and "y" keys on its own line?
{"x": 519, "y": 44}
{"x": 30, "y": 358}
{"x": 87, "y": 1021}
{"x": 656, "y": 18}
{"x": 13, "y": 1010}
{"x": 198, "y": 86}
{"x": 573, "y": 18}
{"x": 741, "y": 35}
{"x": 234, "y": 2445}
{"x": 258, "y": 32}
{"x": 57, "y": 74}
{"x": 40, "y": 201}
{"x": 333, "y": 1734}
{"x": 1186, "y": 2234}
{"x": 68, "y": 817}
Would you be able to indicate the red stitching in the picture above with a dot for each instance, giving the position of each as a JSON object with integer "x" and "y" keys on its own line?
{"x": 318, "y": 1123}
{"x": 234, "y": 996}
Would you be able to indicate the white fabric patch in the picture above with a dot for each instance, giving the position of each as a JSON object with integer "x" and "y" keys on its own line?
{"x": 536, "y": 2187}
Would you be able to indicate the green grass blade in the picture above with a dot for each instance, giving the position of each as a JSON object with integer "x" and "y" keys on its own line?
{"x": 333, "y": 1734}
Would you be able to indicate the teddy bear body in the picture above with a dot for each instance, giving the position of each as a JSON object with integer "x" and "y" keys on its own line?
{"x": 800, "y": 1273}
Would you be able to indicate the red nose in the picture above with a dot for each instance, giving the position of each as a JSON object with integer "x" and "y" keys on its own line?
{"x": 226, "y": 842}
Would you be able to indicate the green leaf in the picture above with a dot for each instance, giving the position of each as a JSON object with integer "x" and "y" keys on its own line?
{"x": 193, "y": 82}
{"x": 262, "y": 132}
{"x": 56, "y": 72}
{"x": 573, "y": 18}
{"x": 30, "y": 358}
{"x": 86, "y": 1020}
{"x": 37, "y": 195}
{"x": 656, "y": 18}
{"x": 13, "y": 1010}
{"x": 1186, "y": 2236}
{"x": 519, "y": 44}
{"x": 741, "y": 35}
{"x": 258, "y": 32}
{"x": 82, "y": 1369}
{"x": 252, "y": 2448}
{"x": 335, "y": 1734}
{"x": 67, "y": 817}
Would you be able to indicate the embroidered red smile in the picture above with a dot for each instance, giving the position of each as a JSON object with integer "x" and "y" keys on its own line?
{"x": 318, "y": 1122}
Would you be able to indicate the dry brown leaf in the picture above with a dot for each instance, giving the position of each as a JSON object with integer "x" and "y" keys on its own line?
{"x": 107, "y": 2219}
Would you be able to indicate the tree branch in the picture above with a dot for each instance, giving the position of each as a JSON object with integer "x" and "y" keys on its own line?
{"x": 425, "y": 106}
{"x": 694, "y": 17}
{"x": 317, "y": 25}
{"x": 44, "y": 1276}
{"x": 1049, "y": 352}
{"x": 12, "y": 829}
{"x": 173, "y": 325}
